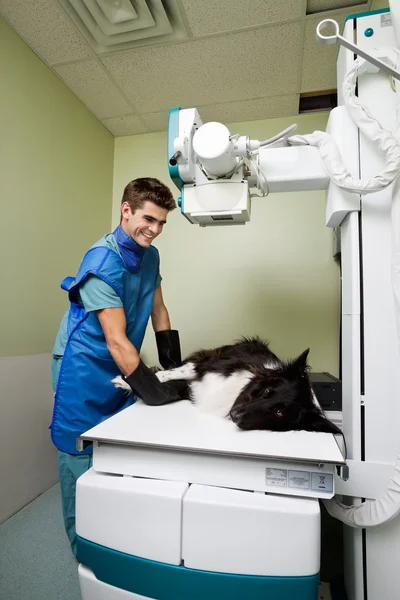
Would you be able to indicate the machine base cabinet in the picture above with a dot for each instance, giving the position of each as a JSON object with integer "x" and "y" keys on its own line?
{"x": 163, "y": 540}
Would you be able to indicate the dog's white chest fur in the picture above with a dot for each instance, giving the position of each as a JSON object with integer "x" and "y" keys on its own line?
{"x": 216, "y": 394}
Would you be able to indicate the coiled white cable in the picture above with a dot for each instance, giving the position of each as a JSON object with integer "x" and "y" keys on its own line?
{"x": 384, "y": 139}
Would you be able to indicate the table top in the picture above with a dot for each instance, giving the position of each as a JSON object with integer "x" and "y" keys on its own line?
{"x": 182, "y": 426}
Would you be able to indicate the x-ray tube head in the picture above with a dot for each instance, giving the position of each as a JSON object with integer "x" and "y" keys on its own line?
{"x": 214, "y": 149}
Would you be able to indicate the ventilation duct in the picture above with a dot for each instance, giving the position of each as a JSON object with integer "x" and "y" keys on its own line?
{"x": 317, "y": 101}
{"x": 110, "y": 25}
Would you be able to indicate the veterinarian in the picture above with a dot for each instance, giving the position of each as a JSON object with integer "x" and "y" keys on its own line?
{"x": 116, "y": 291}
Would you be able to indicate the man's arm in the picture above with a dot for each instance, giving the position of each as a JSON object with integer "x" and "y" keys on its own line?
{"x": 167, "y": 339}
{"x": 140, "y": 378}
{"x": 159, "y": 313}
{"x": 124, "y": 353}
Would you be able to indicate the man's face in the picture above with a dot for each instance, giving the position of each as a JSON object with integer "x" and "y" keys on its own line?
{"x": 145, "y": 224}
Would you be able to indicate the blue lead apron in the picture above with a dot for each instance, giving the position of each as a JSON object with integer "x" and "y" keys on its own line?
{"x": 85, "y": 395}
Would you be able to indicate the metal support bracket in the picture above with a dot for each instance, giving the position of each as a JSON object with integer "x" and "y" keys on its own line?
{"x": 360, "y": 479}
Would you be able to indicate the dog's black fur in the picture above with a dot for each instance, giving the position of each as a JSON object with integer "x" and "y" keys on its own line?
{"x": 279, "y": 395}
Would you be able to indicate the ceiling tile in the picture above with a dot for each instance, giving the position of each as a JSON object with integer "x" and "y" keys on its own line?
{"x": 251, "y": 110}
{"x": 90, "y": 83}
{"x": 233, "y": 112}
{"x": 315, "y": 6}
{"x": 319, "y": 60}
{"x": 43, "y": 25}
{"x": 210, "y": 70}
{"x": 128, "y": 125}
{"x": 157, "y": 121}
{"x": 208, "y": 16}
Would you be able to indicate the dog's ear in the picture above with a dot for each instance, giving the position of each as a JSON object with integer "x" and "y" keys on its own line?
{"x": 315, "y": 420}
{"x": 301, "y": 361}
{"x": 299, "y": 365}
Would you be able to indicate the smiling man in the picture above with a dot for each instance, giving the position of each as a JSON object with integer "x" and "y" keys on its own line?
{"x": 116, "y": 291}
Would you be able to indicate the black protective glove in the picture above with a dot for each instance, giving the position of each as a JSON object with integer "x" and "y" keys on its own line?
{"x": 145, "y": 384}
{"x": 169, "y": 348}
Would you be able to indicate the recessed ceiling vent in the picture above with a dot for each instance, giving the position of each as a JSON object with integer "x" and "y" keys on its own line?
{"x": 110, "y": 25}
{"x": 317, "y": 101}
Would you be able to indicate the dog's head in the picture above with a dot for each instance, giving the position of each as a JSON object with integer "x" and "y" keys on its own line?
{"x": 281, "y": 400}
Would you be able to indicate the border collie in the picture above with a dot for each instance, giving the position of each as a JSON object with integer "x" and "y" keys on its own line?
{"x": 249, "y": 384}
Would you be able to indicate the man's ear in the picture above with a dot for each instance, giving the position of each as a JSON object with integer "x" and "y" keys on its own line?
{"x": 125, "y": 210}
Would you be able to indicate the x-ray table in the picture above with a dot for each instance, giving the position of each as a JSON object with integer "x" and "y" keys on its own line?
{"x": 182, "y": 504}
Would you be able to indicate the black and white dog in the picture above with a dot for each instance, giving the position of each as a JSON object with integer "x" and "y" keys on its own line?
{"x": 249, "y": 384}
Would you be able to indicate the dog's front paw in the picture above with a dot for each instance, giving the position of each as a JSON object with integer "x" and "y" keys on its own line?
{"x": 120, "y": 383}
{"x": 162, "y": 376}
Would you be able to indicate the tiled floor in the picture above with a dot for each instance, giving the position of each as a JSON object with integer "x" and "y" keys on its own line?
{"x": 36, "y": 562}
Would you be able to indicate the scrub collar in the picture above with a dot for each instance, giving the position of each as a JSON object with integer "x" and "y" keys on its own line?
{"x": 132, "y": 253}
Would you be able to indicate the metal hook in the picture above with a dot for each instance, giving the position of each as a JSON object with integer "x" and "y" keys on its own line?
{"x": 332, "y": 39}
{"x": 328, "y": 39}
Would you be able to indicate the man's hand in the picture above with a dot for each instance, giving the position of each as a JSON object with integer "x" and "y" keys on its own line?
{"x": 145, "y": 384}
{"x": 169, "y": 348}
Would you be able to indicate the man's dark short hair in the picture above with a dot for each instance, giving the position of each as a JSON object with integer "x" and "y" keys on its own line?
{"x": 138, "y": 191}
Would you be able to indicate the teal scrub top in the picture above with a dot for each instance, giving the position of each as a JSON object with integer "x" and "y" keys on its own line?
{"x": 95, "y": 294}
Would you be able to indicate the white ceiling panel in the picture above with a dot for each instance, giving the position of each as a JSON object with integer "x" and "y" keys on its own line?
{"x": 128, "y": 125}
{"x": 157, "y": 121}
{"x": 91, "y": 84}
{"x": 234, "y": 60}
{"x": 233, "y": 112}
{"x": 210, "y": 70}
{"x": 211, "y": 16}
{"x": 317, "y": 6}
{"x": 319, "y": 60}
{"x": 251, "y": 110}
{"x": 44, "y": 27}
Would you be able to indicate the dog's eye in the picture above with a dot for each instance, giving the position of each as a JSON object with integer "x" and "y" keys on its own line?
{"x": 278, "y": 413}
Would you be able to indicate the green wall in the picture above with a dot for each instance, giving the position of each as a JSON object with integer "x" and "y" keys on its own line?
{"x": 55, "y": 189}
{"x": 275, "y": 276}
